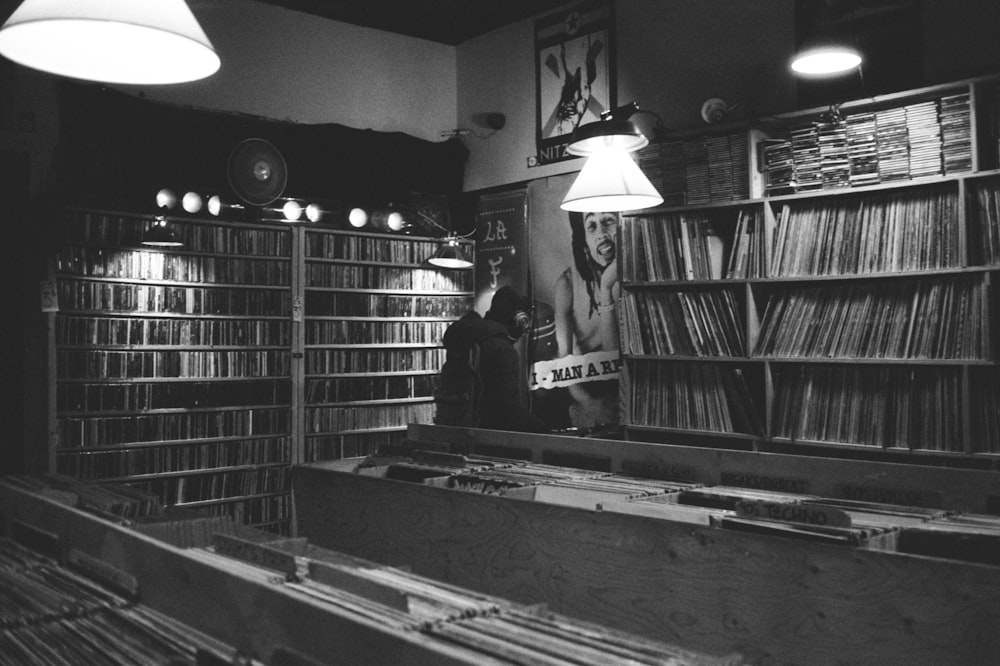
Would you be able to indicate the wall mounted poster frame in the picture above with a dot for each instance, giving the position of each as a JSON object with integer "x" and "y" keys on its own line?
{"x": 501, "y": 246}
{"x": 574, "y": 74}
{"x": 573, "y": 348}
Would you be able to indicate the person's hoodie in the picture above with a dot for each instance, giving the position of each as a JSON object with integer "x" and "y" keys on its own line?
{"x": 499, "y": 365}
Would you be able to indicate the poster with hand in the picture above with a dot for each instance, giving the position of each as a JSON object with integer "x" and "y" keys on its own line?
{"x": 574, "y": 74}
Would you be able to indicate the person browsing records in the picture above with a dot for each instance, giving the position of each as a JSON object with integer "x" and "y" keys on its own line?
{"x": 498, "y": 405}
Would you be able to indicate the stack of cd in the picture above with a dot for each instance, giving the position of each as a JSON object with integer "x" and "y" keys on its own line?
{"x": 696, "y": 161}
{"x": 925, "y": 139}
{"x": 835, "y": 166}
{"x": 779, "y": 167}
{"x": 862, "y": 149}
{"x": 739, "y": 155}
{"x": 805, "y": 150}
{"x": 674, "y": 174}
{"x": 893, "y": 144}
{"x": 650, "y": 163}
{"x": 956, "y": 133}
{"x": 720, "y": 169}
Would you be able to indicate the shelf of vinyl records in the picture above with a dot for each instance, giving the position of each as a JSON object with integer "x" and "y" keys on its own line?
{"x": 375, "y": 314}
{"x": 858, "y": 315}
{"x": 201, "y": 373}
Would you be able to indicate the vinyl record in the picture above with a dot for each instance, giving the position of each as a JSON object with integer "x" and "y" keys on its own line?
{"x": 257, "y": 172}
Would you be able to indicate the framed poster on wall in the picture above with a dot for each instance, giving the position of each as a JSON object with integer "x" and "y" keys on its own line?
{"x": 573, "y": 348}
{"x": 501, "y": 246}
{"x": 574, "y": 74}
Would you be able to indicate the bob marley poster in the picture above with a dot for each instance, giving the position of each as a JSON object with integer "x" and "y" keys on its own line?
{"x": 574, "y": 347}
{"x": 574, "y": 74}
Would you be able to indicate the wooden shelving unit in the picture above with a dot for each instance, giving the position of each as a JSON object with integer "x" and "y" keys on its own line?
{"x": 844, "y": 308}
{"x": 200, "y": 374}
{"x": 375, "y": 313}
{"x": 173, "y": 368}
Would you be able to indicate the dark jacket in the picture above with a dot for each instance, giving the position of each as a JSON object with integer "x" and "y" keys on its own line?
{"x": 500, "y": 368}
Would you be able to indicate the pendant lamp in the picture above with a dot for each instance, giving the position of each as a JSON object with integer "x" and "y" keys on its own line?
{"x": 827, "y": 51}
{"x": 827, "y": 59}
{"x": 111, "y": 41}
{"x": 160, "y": 234}
{"x": 610, "y": 179}
{"x": 451, "y": 254}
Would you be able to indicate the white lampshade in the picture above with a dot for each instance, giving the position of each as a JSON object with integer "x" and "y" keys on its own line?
{"x": 112, "y": 41}
{"x": 826, "y": 60}
{"x": 610, "y": 181}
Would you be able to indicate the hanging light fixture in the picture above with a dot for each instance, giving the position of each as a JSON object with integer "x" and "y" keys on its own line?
{"x": 112, "y": 41}
{"x": 451, "y": 254}
{"x": 610, "y": 179}
{"x": 826, "y": 51}
{"x": 161, "y": 235}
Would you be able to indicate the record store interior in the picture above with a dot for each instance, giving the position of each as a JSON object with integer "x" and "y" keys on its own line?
{"x": 524, "y": 332}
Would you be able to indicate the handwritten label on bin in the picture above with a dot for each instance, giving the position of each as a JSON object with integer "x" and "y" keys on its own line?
{"x": 790, "y": 512}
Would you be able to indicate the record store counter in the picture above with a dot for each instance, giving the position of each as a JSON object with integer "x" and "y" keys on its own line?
{"x": 709, "y": 550}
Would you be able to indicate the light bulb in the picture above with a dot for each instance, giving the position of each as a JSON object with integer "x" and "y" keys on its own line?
{"x": 395, "y": 221}
{"x": 358, "y": 217}
{"x": 192, "y": 202}
{"x": 314, "y": 213}
{"x": 292, "y": 210}
{"x": 166, "y": 199}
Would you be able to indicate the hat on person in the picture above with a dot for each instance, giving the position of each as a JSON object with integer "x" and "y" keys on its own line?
{"x": 505, "y": 303}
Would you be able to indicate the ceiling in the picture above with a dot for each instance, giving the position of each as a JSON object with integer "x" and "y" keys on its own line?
{"x": 445, "y": 21}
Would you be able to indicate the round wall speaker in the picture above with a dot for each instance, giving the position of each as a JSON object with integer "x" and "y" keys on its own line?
{"x": 714, "y": 110}
{"x": 257, "y": 172}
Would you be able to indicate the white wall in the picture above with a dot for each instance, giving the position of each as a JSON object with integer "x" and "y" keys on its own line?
{"x": 672, "y": 56}
{"x": 286, "y": 65}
